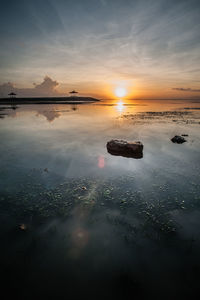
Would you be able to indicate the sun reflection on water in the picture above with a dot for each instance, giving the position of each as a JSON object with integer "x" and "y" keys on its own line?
{"x": 120, "y": 106}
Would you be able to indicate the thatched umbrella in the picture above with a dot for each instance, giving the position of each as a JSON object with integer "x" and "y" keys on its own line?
{"x": 12, "y": 95}
{"x": 73, "y": 92}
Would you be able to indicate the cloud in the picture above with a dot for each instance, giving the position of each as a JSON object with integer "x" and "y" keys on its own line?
{"x": 6, "y": 88}
{"x": 46, "y": 88}
{"x": 186, "y": 90}
{"x": 48, "y": 85}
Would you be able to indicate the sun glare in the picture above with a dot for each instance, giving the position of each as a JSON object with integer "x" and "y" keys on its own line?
{"x": 120, "y": 92}
{"x": 120, "y": 106}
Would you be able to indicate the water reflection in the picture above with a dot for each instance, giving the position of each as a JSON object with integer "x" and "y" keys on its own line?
{"x": 120, "y": 106}
{"x": 128, "y": 155}
{"x": 74, "y": 107}
{"x": 123, "y": 225}
{"x": 50, "y": 115}
{"x": 14, "y": 106}
{"x": 111, "y": 108}
{"x": 6, "y": 110}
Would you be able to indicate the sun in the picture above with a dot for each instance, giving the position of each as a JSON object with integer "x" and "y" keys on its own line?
{"x": 120, "y": 92}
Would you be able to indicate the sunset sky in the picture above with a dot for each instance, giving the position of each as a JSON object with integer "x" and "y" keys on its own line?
{"x": 150, "y": 48}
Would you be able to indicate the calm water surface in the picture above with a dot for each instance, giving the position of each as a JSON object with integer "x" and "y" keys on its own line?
{"x": 79, "y": 222}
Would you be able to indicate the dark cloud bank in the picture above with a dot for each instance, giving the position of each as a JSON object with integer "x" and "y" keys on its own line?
{"x": 186, "y": 90}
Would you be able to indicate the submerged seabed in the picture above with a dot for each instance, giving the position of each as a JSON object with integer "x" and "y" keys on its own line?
{"x": 79, "y": 222}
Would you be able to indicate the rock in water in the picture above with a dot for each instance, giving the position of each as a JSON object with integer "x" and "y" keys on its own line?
{"x": 178, "y": 139}
{"x": 126, "y": 149}
{"x": 23, "y": 227}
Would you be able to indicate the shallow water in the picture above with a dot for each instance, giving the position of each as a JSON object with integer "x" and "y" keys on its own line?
{"x": 78, "y": 221}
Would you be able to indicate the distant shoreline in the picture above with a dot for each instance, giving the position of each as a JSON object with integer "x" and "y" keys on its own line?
{"x": 48, "y": 100}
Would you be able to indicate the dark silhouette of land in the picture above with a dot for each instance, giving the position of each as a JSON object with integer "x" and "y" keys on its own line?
{"x": 48, "y": 100}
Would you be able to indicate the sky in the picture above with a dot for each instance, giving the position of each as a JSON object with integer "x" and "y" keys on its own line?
{"x": 149, "y": 47}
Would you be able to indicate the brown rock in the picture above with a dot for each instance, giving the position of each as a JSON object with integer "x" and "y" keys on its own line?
{"x": 23, "y": 227}
{"x": 124, "y": 148}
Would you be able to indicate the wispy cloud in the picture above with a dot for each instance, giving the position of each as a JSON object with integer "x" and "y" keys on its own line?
{"x": 155, "y": 43}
